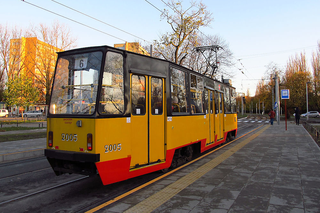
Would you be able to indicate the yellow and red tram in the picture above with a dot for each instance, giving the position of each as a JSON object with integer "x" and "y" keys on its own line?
{"x": 121, "y": 115}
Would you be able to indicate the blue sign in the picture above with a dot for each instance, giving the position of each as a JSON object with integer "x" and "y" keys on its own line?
{"x": 275, "y": 105}
{"x": 285, "y": 94}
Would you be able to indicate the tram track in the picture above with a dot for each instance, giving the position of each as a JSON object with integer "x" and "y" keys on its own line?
{"x": 22, "y": 167}
{"x": 25, "y": 173}
{"x": 42, "y": 190}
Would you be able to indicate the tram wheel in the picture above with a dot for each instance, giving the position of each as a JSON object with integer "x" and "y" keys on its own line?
{"x": 174, "y": 163}
{"x": 189, "y": 153}
{"x": 165, "y": 170}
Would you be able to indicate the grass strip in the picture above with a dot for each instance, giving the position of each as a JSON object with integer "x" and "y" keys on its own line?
{"x": 22, "y": 136}
{"x": 14, "y": 128}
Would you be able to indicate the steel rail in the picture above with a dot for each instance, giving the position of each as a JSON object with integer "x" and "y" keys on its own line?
{"x": 42, "y": 190}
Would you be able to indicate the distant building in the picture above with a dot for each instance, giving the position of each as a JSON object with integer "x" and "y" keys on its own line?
{"x": 30, "y": 56}
{"x": 133, "y": 47}
{"x": 35, "y": 59}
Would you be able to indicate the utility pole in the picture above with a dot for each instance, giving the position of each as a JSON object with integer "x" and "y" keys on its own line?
{"x": 277, "y": 98}
{"x": 307, "y": 101}
{"x": 241, "y": 105}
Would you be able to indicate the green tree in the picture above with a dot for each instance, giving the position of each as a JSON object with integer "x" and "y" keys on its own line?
{"x": 21, "y": 92}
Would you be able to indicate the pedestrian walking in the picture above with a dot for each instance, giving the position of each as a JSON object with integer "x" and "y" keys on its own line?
{"x": 297, "y": 115}
{"x": 272, "y": 114}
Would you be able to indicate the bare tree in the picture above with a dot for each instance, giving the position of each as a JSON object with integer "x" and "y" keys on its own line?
{"x": 50, "y": 39}
{"x": 175, "y": 46}
{"x": 10, "y": 59}
{"x": 295, "y": 78}
{"x": 208, "y": 62}
{"x": 315, "y": 64}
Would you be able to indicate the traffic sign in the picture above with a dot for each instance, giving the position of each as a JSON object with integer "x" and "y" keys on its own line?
{"x": 285, "y": 94}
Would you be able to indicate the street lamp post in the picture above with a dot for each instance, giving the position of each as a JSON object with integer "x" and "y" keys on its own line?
{"x": 307, "y": 103}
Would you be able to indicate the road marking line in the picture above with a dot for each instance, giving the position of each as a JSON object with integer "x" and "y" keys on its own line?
{"x": 156, "y": 200}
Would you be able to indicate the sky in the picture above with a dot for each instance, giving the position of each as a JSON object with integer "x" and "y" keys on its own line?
{"x": 258, "y": 32}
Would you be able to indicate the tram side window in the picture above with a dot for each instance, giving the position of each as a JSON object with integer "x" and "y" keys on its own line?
{"x": 233, "y": 100}
{"x": 156, "y": 96}
{"x": 196, "y": 90}
{"x": 227, "y": 103}
{"x": 206, "y": 102}
{"x": 211, "y": 103}
{"x": 216, "y": 102}
{"x": 178, "y": 91}
{"x": 112, "y": 90}
{"x": 138, "y": 93}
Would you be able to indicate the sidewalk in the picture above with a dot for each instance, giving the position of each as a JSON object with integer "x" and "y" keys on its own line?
{"x": 15, "y": 150}
{"x": 271, "y": 171}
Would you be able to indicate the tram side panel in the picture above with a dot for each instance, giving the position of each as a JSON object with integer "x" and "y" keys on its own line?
{"x": 186, "y": 130}
{"x": 113, "y": 143}
{"x": 231, "y": 124}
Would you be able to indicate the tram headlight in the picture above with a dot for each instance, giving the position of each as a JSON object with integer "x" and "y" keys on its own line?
{"x": 50, "y": 139}
{"x": 89, "y": 142}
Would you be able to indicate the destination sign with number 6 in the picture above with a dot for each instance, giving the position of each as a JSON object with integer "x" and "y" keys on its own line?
{"x": 81, "y": 63}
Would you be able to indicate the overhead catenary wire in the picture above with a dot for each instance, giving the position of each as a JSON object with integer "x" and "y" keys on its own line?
{"x": 162, "y": 12}
{"x": 73, "y": 20}
{"x": 100, "y": 21}
{"x": 243, "y": 68}
{"x": 154, "y": 6}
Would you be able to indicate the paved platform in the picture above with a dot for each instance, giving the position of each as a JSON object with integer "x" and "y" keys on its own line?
{"x": 272, "y": 170}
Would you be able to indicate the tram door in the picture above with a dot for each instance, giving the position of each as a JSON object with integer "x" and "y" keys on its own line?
{"x": 219, "y": 113}
{"x": 147, "y": 119}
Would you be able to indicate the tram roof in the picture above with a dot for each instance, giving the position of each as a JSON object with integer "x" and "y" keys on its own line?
{"x": 172, "y": 64}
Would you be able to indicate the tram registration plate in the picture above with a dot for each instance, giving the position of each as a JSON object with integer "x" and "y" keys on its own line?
{"x": 69, "y": 137}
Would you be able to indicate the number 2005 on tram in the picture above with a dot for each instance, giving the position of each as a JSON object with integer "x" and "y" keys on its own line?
{"x": 120, "y": 114}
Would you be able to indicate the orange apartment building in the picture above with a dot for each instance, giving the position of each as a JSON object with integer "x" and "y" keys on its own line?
{"x": 133, "y": 47}
{"x": 35, "y": 59}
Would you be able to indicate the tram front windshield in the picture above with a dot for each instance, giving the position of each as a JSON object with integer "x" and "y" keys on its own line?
{"x": 76, "y": 84}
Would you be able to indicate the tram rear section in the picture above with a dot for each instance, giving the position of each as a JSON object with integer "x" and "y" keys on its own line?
{"x": 122, "y": 115}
